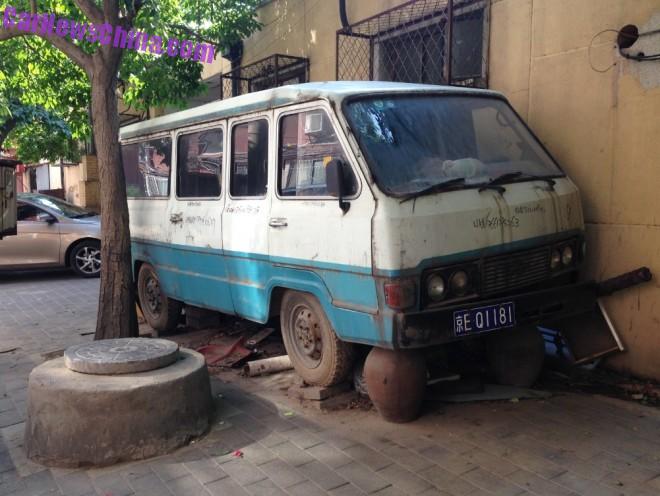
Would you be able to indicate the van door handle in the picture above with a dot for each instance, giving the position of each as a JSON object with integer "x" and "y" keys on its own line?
{"x": 278, "y": 222}
{"x": 176, "y": 218}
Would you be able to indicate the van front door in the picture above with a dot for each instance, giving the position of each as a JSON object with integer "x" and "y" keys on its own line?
{"x": 307, "y": 228}
{"x": 245, "y": 217}
{"x": 199, "y": 273}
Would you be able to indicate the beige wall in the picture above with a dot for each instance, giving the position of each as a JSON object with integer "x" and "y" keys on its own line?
{"x": 603, "y": 127}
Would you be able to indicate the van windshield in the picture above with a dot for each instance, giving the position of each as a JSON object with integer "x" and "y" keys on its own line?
{"x": 415, "y": 142}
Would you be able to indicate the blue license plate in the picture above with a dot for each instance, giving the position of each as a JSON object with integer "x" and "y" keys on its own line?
{"x": 482, "y": 319}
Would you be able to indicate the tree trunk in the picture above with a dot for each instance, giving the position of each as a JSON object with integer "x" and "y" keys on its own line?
{"x": 6, "y": 128}
{"x": 116, "y": 313}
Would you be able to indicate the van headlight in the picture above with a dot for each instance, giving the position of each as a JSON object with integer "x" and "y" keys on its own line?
{"x": 567, "y": 255}
{"x": 459, "y": 283}
{"x": 555, "y": 259}
{"x": 435, "y": 287}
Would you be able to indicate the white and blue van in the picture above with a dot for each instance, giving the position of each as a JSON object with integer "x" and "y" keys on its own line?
{"x": 396, "y": 216}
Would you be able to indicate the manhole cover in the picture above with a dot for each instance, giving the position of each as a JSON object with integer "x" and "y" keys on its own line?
{"x": 121, "y": 356}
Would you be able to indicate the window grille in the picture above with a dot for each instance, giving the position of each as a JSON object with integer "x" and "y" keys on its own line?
{"x": 413, "y": 42}
{"x": 273, "y": 71}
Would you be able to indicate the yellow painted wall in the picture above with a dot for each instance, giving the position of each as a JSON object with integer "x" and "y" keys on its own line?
{"x": 603, "y": 127}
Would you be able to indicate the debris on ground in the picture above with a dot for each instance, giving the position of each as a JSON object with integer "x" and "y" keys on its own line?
{"x": 270, "y": 365}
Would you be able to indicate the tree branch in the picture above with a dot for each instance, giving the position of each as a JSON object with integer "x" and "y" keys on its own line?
{"x": 91, "y": 10}
{"x": 111, "y": 11}
{"x": 6, "y": 128}
{"x": 74, "y": 52}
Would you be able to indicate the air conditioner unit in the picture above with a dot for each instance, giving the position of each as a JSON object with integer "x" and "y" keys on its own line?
{"x": 313, "y": 123}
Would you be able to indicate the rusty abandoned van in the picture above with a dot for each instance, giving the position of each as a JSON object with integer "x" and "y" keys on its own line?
{"x": 367, "y": 215}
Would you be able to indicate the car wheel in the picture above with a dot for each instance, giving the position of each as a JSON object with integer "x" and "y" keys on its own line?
{"x": 317, "y": 354}
{"x": 85, "y": 258}
{"x": 516, "y": 355}
{"x": 160, "y": 312}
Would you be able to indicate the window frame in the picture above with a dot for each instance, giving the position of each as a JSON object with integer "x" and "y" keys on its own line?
{"x": 140, "y": 139}
{"x": 36, "y": 207}
{"x": 230, "y": 156}
{"x": 340, "y": 138}
{"x": 193, "y": 130}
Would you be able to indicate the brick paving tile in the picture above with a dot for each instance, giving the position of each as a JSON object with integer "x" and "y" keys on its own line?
{"x": 335, "y": 439}
{"x": 258, "y": 454}
{"x": 407, "y": 458}
{"x": 448, "y": 482}
{"x": 363, "y": 477}
{"x": 302, "y": 438}
{"x": 323, "y": 476}
{"x": 168, "y": 469}
{"x": 330, "y": 456}
{"x": 265, "y": 487}
{"x": 492, "y": 483}
{"x": 112, "y": 483}
{"x": 75, "y": 484}
{"x": 187, "y": 486}
{"x": 368, "y": 457}
{"x": 226, "y": 487}
{"x": 205, "y": 470}
{"x": 538, "y": 485}
{"x": 452, "y": 462}
{"x": 282, "y": 474}
{"x": 391, "y": 491}
{"x": 149, "y": 485}
{"x": 243, "y": 471}
{"x": 404, "y": 479}
{"x": 136, "y": 471}
{"x": 306, "y": 488}
{"x": 493, "y": 463}
{"x": 346, "y": 490}
{"x": 292, "y": 454}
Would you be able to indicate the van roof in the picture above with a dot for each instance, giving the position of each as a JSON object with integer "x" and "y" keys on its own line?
{"x": 334, "y": 91}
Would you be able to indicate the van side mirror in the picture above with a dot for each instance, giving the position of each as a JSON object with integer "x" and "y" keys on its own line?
{"x": 334, "y": 177}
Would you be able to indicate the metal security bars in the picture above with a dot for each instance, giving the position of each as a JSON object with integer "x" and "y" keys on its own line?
{"x": 273, "y": 71}
{"x": 413, "y": 42}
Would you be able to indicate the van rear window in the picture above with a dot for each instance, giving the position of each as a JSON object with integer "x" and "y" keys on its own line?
{"x": 147, "y": 167}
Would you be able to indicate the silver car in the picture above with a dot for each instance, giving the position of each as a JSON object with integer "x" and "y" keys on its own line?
{"x": 53, "y": 233}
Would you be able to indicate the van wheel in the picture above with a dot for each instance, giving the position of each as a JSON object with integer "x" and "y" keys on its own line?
{"x": 516, "y": 355}
{"x": 160, "y": 312}
{"x": 316, "y": 352}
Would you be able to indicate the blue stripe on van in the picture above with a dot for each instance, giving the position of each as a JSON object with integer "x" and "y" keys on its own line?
{"x": 241, "y": 283}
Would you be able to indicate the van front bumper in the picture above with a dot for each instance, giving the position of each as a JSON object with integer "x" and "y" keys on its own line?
{"x": 436, "y": 326}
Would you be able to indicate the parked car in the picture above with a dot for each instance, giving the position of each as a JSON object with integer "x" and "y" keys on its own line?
{"x": 53, "y": 233}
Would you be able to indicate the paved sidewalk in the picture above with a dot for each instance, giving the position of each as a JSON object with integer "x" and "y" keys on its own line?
{"x": 263, "y": 443}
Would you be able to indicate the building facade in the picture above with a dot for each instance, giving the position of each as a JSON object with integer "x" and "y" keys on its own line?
{"x": 594, "y": 105}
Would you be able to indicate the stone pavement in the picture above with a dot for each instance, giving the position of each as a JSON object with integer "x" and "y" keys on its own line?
{"x": 263, "y": 443}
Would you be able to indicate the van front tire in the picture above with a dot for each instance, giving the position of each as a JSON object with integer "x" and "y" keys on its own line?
{"x": 160, "y": 312}
{"x": 317, "y": 354}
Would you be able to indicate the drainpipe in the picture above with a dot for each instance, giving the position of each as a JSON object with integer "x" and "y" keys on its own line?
{"x": 342, "y": 14}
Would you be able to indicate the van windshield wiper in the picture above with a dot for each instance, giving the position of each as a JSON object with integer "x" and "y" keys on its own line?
{"x": 435, "y": 188}
{"x": 510, "y": 176}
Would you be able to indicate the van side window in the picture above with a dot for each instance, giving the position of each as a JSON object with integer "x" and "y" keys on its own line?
{"x": 199, "y": 164}
{"x": 147, "y": 168}
{"x": 307, "y": 143}
{"x": 249, "y": 159}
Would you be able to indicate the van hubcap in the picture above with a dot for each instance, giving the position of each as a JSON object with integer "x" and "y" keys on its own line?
{"x": 307, "y": 335}
{"x": 152, "y": 290}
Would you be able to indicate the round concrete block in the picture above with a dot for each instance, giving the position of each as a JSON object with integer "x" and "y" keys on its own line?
{"x": 121, "y": 356}
{"x": 76, "y": 419}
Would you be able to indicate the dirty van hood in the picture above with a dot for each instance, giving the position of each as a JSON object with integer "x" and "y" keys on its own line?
{"x": 465, "y": 224}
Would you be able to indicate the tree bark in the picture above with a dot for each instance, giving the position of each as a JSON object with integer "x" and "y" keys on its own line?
{"x": 116, "y": 314}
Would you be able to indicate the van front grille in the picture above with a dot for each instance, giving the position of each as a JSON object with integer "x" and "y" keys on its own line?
{"x": 515, "y": 270}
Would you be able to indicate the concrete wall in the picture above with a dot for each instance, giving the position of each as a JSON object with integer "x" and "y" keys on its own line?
{"x": 599, "y": 114}
{"x": 601, "y": 121}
